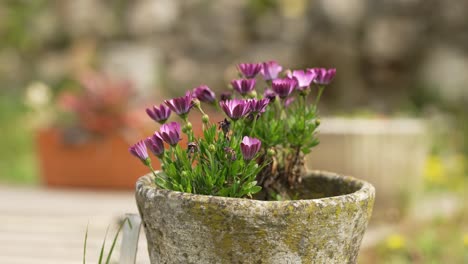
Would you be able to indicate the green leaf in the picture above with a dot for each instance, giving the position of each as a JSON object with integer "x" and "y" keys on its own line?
{"x": 255, "y": 189}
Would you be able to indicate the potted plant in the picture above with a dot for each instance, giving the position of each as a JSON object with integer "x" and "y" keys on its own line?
{"x": 87, "y": 149}
{"x": 240, "y": 193}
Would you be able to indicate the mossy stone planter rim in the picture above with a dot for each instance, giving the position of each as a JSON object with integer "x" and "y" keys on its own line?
{"x": 190, "y": 228}
{"x": 146, "y": 187}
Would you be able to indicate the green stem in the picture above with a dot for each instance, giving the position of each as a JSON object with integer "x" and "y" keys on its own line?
{"x": 152, "y": 170}
{"x": 253, "y": 126}
{"x": 303, "y": 108}
{"x": 278, "y": 108}
{"x": 203, "y": 114}
{"x": 319, "y": 95}
{"x": 188, "y": 133}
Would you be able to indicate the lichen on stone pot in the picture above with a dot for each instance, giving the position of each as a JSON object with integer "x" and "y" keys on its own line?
{"x": 325, "y": 225}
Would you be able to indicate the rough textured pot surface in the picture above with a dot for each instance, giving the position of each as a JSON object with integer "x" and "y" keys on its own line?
{"x": 325, "y": 226}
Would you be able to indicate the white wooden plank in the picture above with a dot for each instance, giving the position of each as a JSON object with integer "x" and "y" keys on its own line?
{"x": 48, "y": 225}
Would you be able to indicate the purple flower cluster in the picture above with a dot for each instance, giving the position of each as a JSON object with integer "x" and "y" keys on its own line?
{"x": 295, "y": 80}
{"x": 280, "y": 84}
{"x": 169, "y": 133}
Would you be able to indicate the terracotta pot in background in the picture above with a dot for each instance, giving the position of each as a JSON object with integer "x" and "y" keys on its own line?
{"x": 102, "y": 162}
{"x": 99, "y": 162}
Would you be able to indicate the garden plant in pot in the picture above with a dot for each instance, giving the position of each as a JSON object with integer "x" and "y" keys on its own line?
{"x": 95, "y": 127}
{"x": 240, "y": 193}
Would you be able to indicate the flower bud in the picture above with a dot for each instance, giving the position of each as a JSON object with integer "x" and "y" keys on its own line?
{"x": 188, "y": 127}
{"x": 252, "y": 94}
{"x": 205, "y": 119}
{"x": 317, "y": 122}
{"x": 271, "y": 152}
{"x": 212, "y": 148}
{"x": 230, "y": 153}
{"x": 196, "y": 102}
{"x": 184, "y": 174}
{"x": 304, "y": 92}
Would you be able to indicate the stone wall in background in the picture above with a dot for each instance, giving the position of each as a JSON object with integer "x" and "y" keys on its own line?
{"x": 384, "y": 50}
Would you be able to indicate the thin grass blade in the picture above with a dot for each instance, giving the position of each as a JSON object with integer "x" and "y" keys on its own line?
{"x": 85, "y": 242}
{"x": 103, "y": 246}
{"x": 126, "y": 220}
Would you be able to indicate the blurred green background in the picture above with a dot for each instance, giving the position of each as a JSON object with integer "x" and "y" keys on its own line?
{"x": 394, "y": 59}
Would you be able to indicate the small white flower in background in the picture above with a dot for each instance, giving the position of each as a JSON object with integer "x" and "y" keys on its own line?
{"x": 37, "y": 95}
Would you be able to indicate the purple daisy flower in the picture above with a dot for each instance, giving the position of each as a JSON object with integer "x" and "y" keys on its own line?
{"x": 139, "y": 150}
{"x": 258, "y": 106}
{"x": 160, "y": 114}
{"x": 204, "y": 94}
{"x": 283, "y": 87}
{"x": 303, "y": 78}
{"x": 155, "y": 144}
{"x": 270, "y": 70}
{"x": 323, "y": 76}
{"x": 170, "y": 133}
{"x": 249, "y": 70}
{"x": 235, "y": 108}
{"x": 243, "y": 86}
{"x": 181, "y": 105}
{"x": 250, "y": 147}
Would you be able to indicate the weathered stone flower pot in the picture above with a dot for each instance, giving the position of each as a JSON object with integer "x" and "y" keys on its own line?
{"x": 325, "y": 226}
